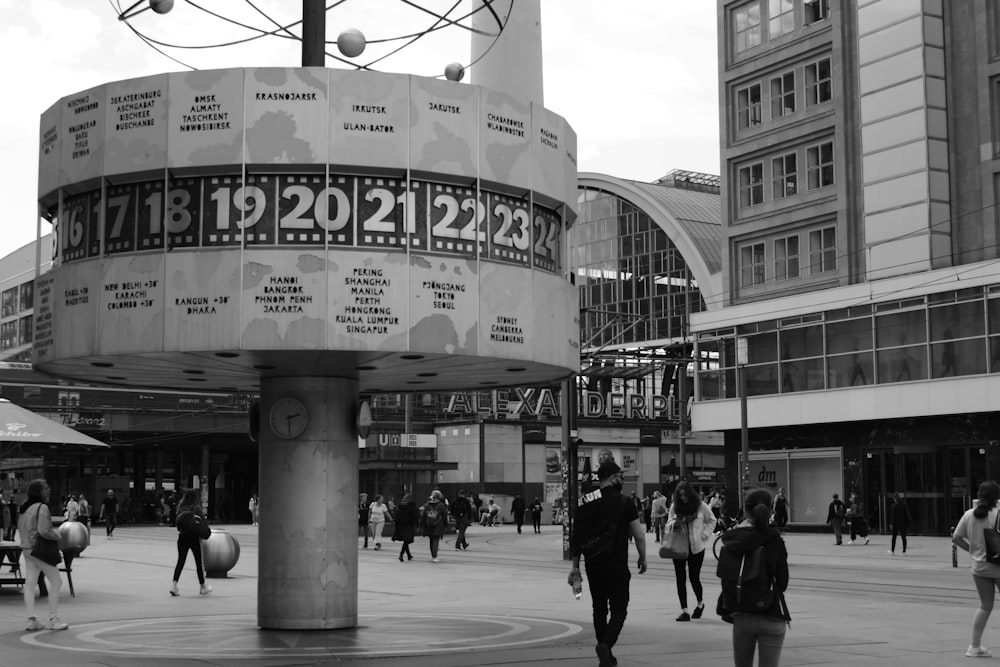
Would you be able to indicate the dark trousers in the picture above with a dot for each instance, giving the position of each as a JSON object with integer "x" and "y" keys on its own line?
{"x": 901, "y": 532}
{"x": 461, "y": 525}
{"x": 609, "y": 595}
{"x": 190, "y": 543}
{"x": 363, "y": 528}
{"x": 405, "y": 551}
{"x": 536, "y": 521}
{"x": 858, "y": 527}
{"x": 435, "y": 543}
{"x": 692, "y": 565}
{"x": 111, "y": 520}
{"x": 519, "y": 520}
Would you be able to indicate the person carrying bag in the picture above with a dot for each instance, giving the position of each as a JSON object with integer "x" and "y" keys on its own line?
{"x": 690, "y": 524}
{"x": 40, "y": 545}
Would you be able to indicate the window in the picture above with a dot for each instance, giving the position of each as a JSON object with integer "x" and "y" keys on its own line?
{"x": 752, "y": 185}
{"x": 823, "y": 250}
{"x": 25, "y": 331}
{"x": 818, "y": 86}
{"x": 781, "y": 17}
{"x": 786, "y": 258}
{"x": 748, "y": 106}
{"x": 8, "y": 334}
{"x": 747, "y": 20}
{"x": 8, "y": 299}
{"x": 752, "y": 265}
{"x": 784, "y": 176}
{"x": 819, "y": 165}
{"x": 782, "y": 95}
{"x": 27, "y": 296}
{"x": 816, "y": 10}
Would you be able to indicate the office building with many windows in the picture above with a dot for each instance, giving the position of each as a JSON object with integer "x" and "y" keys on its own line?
{"x": 861, "y": 161}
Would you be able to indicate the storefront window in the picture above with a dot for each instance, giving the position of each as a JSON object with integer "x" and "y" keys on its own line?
{"x": 813, "y": 483}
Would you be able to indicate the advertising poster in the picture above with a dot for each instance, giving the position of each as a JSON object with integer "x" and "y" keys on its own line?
{"x": 368, "y": 301}
{"x": 285, "y": 116}
{"x": 769, "y": 473}
{"x": 49, "y": 150}
{"x": 369, "y": 119}
{"x": 506, "y": 315}
{"x": 205, "y": 125}
{"x": 202, "y": 300}
{"x": 553, "y": 463}
{"x": 444, "y": 125}
{"x": 548, "y": 174}
{"x": 444, "y": 305}
{"x": 284, "y": 299}
{"x": 81, "y": 136}
{"x": 131, "y": 304}
{"x": 136, "y": 125}
{"x": 504, "y": 140}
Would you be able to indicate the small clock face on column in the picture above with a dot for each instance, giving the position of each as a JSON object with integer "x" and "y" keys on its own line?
{"x": 288, "y": 418}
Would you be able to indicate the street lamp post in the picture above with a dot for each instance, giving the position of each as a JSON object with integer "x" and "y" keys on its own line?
{"x": 741, "y": 379}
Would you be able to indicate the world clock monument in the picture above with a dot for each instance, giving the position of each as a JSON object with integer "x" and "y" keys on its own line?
{"x": 310, "y": 234}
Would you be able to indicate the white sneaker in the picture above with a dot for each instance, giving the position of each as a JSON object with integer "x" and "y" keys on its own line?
{"x": 56, "y": 624}
{"x": 34, "y": 624}
{"x": 173, "y": 589}
{"x": 978, "y": 652}
{"x": 435, "y": 560}
{"x": 205, "y": 589}
{"x": 850, "y": 542}
{"x": 891, "y": 553}
{"x": 866, "y": 540}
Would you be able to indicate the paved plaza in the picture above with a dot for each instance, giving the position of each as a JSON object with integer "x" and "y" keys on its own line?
{"x": 502, "y": 603}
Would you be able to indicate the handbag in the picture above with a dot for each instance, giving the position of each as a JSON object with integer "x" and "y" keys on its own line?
{"x": 45, "y": 550}
{"x": 676, "y": 543}
{"x": 991, "y": 536}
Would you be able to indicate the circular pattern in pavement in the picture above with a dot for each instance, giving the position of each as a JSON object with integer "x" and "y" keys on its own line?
{"x": 237, "y": 636}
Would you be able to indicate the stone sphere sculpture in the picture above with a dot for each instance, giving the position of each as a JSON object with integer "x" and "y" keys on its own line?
{"x": 220, "y": 553}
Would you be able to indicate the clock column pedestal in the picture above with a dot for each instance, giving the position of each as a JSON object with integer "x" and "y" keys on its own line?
{"x": 308, "y": 563}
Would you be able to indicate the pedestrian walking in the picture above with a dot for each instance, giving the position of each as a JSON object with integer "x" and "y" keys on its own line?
{"x": 604, "y": 522}
{"x": 109, "y": 512}
{"x": 189, "y": 515}
{"x": 84, "y": 510}
{"x": 761, "y": 631}
{"x": 15, "y": 515}
{"x": 378, "y": 514}
{"x": 36, "y": 521}
{"x": 536, "y": 515}
{"x": 405, "y": 525}
{"x": 899, "y": 518}
{"x": 969, "y": 536}
{"x": 254, "y": 507}
{"x": 658, "y": 513}
{"x": 363, "y": 517}
{"x": 835, "y": 517}
{"x": 72, "y": 509}
{"x": 647, "y": 513}
{"x": 462, "y": 510}
{"x": 433, "y": 520}
{"x": 781, "y": 508}
{"x": 859, "y": 523}
{"x": 517, "y": 512}
{"x": 690, "y": 515}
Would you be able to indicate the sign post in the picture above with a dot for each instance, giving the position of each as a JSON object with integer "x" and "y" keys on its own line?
{"x": 741, "y": 362}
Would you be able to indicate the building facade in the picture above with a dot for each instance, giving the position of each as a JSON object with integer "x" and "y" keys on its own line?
{"x": 859, "y": 152}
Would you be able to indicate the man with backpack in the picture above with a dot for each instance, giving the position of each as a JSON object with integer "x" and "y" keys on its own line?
{"x": 753, "y": 567}
{"x": 433, "y": 520}
{"x": 604, "y": 522}
{"x": 461, "y": 509}
{"x": 835, "y": 517}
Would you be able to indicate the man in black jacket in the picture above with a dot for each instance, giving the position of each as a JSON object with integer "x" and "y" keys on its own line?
{"x": 604, "y": 522}
{"x": 835, "y": 517}
{"x": 461, "y": 509}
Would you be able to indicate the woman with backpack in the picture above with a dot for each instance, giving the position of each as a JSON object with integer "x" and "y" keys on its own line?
{"x": 433, "y": 520}
{"x": 688, "y": 513}
{"x": 405, "y": 526}
{"x": 189, "y": 515}
{"x": 969, "y": 536}
{"x": 756, "y": 607}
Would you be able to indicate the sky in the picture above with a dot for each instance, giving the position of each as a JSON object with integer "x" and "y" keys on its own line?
{"x": 637, "y": 79}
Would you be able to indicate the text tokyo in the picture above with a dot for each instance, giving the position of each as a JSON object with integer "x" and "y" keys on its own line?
{"x": 544, "y": 402}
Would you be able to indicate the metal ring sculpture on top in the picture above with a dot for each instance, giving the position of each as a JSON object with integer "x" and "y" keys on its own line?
{"x": 351, "y": 42}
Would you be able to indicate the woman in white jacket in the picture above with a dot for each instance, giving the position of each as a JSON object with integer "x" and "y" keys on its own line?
{"x": 690, "y": 514}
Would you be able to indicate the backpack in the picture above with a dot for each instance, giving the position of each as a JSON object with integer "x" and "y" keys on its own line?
{"x": 838, "y": 509}
{"x": 432, "y": 515}
{"x": 746, "y": 584}
{"x": 189, "y": 523}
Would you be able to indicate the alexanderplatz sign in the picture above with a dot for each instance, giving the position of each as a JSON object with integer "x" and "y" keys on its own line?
{"x": 309, "y": 234}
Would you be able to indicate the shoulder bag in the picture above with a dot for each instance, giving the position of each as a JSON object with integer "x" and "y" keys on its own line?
{"x": 991, "y": 537}
{"x": 45, "y": 550}
{"x": 676, "y": 543}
